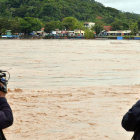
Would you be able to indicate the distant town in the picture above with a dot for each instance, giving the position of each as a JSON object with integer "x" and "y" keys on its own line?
{"x": 89, "y": 32}
{"x": 65, "y": 19}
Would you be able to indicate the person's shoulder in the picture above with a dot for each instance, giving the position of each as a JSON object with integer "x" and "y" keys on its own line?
{"x": 137, "y": 104}
{"x": 3, "y": 99}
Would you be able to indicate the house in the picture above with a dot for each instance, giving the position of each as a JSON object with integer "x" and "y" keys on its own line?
{"x": 79, "y": 32}
{"x": 71, "y": 33}
{"x": 54, "y": 32}
{"x": 9, "y": 35}
{"x": 41, "y": 32}
{"x": 118, "y": 33}
{"x": 89, "y": 24}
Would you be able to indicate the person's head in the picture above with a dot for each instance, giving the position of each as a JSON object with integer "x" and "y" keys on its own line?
{"x": 3, "y": 87}
{"x": 4, "y": 80}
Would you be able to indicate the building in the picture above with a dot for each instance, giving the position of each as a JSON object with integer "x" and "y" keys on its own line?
{"x": 71, "y": 33}
{"x": 118, "y": 33}
{"x": 89, "y": 24}
{"x": 79, "y": 32}
{"x": 9, "y": 35}
{"x": 8, "y": 32}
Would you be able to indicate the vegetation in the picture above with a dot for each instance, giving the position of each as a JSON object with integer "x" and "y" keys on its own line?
{"x": 98, "y": 27}
{"x": 54, "y": 10}
{"x": 89, "y": 34}
{"x": 28, "y": 15}
{"x": 52, "y": 25}
{"x": 71, "y": 23}
{"x": 134, "y": 28}
{"x": 128, "y": 37}
{"x": 119, "y": 25}
{"x": 29, "y": 24}
{"x": 25, "y": 25}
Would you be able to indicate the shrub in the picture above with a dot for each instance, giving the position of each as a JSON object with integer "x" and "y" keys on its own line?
{"x": 89, "y": 34}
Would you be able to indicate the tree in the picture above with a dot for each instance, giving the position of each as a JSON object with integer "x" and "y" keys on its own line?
{"x": 138, "y": 25}
{"x": 29, "y": 24}
{"x": 4, "y": 25}
{"x": 14, "y": 25}
{"x": 80, "y": 25}
{"x": 70, "y": 23}
{"x": 98, "y": 27}
{"x": 134, "y": 28}
{"x": 89, "y": 34}
{"x": 19, "y": 12}
{"x": 52, "y": 25}
{"x": 125, "y": 26}
{"x": 117, "y": 25}
{"x": 108, "y": 20}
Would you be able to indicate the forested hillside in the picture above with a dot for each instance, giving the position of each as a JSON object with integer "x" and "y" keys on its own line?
{"x": 48, "y": 10}
{"x": 31, "y": 15}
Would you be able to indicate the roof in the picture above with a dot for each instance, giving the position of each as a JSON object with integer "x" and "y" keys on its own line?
{"x": 122, "y": 31}
{"x": 107, "y": 28}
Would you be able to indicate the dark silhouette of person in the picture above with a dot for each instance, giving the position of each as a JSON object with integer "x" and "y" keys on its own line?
{"x": 131, "y": 121}
{"x": 6, "y": 115}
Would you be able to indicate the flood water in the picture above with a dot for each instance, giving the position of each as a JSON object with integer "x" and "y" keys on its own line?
{"x": 43, "y": 64}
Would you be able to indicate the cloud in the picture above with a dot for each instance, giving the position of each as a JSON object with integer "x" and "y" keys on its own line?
{"x": 123, "y": 5}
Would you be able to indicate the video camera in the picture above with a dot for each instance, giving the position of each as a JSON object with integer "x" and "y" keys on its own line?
{"x": 4, "y": 80}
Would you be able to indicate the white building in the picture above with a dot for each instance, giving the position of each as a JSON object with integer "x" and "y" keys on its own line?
{"x": 89, "y": 24}
{"x": 118, "y": 33}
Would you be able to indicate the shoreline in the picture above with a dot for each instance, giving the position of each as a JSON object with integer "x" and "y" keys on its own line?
{"x": 68, "y": 39}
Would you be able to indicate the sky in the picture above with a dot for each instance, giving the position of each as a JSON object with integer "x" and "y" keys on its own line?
{"x": 123, "y": 5}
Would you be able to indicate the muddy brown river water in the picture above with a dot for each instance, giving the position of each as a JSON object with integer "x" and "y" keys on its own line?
{"x": 70, "y": 89}
{"x": 70, "y": 63}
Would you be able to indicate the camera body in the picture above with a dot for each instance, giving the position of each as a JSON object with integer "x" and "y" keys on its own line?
{"x": 3, "y": 81}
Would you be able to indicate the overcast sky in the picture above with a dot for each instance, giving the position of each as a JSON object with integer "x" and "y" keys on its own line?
{"x": 123, "y": 5}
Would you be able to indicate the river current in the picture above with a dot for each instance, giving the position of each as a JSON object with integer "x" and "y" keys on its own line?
{"x": 45, "y": 64}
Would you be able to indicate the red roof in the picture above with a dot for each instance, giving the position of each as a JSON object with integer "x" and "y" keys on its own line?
{"x": 107, "y": 28}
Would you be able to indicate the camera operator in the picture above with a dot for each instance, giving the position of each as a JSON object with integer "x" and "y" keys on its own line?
{"x": 6, "y": 116}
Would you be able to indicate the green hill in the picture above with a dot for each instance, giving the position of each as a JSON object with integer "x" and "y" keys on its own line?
{"x": 48, "y": 10}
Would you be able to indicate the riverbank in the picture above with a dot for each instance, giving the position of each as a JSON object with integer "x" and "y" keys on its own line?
{"x": 75, "y": 38}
